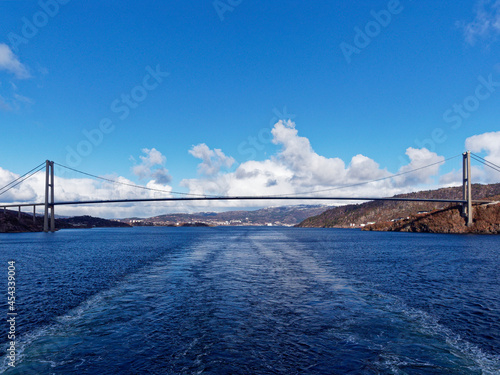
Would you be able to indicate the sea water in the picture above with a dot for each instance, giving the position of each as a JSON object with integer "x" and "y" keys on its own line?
{"x": 247, "y": 300}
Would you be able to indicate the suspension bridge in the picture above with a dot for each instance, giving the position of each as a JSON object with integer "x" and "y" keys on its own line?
{"x": 50, "y": 203}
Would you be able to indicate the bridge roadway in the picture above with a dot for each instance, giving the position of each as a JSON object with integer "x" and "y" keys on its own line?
{"x": 170, "y": 199}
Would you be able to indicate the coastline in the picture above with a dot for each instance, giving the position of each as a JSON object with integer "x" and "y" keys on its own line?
{"x": 447, "y": 221}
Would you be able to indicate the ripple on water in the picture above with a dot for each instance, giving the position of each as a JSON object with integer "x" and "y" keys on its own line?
{"x": 253, "y": 301}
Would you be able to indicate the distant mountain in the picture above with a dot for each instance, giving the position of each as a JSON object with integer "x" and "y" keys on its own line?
{"x": 355, "y": 215}
{"x": 283, "y": 215}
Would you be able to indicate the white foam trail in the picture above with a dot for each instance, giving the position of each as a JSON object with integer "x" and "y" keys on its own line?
{"x": 64, "y": 321}
{"x": 51, "y": 330}
{"x": 489, "y": 364}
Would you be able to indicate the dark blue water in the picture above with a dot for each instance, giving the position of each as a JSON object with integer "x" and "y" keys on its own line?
{"x": 252, "y": 301}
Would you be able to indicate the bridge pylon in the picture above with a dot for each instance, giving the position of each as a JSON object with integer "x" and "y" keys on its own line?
{"x": 467, "y": 189}
{"x": 49, "y": 197}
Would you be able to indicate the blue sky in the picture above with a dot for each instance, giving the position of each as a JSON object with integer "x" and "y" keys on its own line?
{"x": 234, "y": 69}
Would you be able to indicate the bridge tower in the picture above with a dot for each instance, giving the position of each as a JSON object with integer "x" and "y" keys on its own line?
{"x": 49, "y": 197}
{"x": 467, "y": 189}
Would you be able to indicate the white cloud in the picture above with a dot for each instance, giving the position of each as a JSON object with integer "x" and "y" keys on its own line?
{"x": 297, "y": 168}
{"x": 455, "y": 177}
{"x": 152, "y": 166}
{"x": 298, "y": 155}
{"x": 311, "y": 169}
{"x": 363, "y": 168}
{"x": 12, "y": 101}
{"x": 80, "y": 189}
{"x": 489, "y": 143}
{"x": 212, "y": 160}
{"x": 10, "y": 62}
{"x": 486, "y": 23}
{"x": 419, "y": 158}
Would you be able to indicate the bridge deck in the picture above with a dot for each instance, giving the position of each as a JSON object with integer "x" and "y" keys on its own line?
{"x": 173, "y": 199}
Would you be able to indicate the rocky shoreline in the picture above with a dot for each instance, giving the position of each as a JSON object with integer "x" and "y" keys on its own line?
{"x": 11, "y": 223}
{"x": 448, "y": 220}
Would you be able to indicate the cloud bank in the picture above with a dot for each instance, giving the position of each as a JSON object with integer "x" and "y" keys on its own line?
{"x": 294, "y": 169}
{"x": 80, "y": 189}
{"x": 152, "y": 166}
{"x": 212, "y": 160}
{"x": 297, "y": 168}
{"x": 490, "y": 144}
